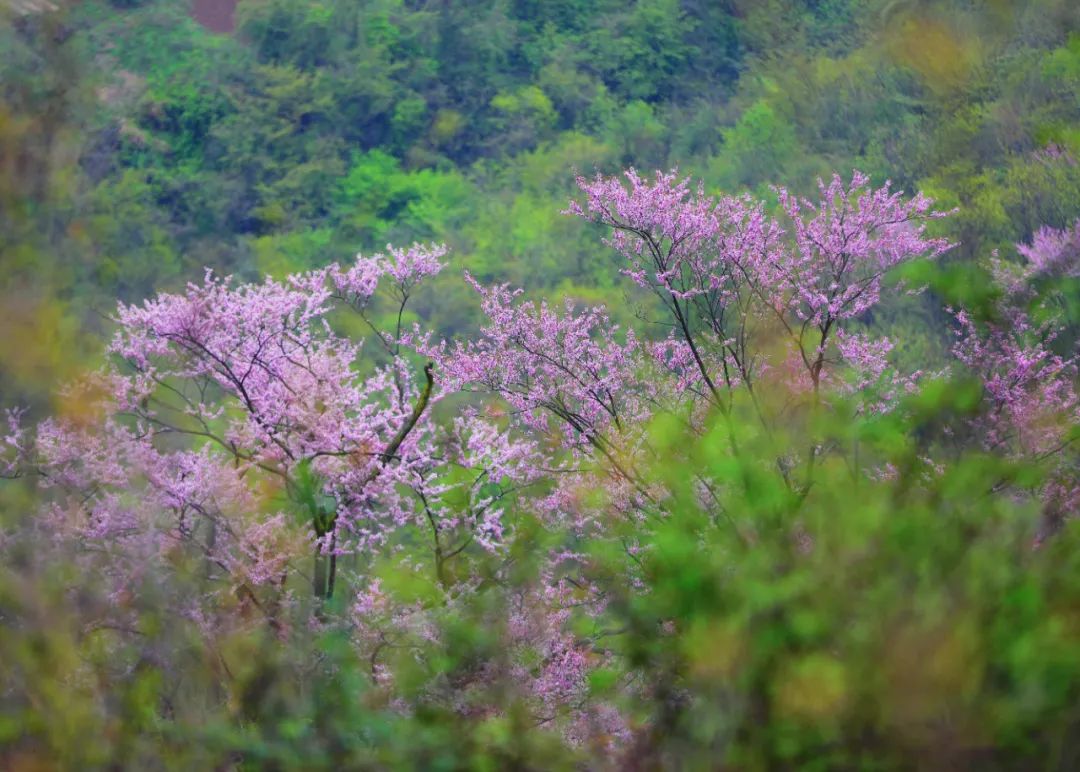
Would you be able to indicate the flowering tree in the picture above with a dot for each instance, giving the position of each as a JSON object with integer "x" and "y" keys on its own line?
{"x": 722, "y": 267}
{"x": 1026, "y": 362}
{"x": 743, "y": 295}
{"x": 271, "y": 402}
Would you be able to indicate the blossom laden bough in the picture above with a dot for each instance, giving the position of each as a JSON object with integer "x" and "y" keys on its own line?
{"x": 13, "y": 448}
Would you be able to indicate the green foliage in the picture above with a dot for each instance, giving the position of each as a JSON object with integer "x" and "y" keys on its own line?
{"x": 916, "y": 627}
{"x": 384, "y": 120}
{"x": 761, "y": 145}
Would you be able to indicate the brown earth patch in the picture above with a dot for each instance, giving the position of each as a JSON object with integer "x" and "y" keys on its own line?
{"x": 216, "y": 15}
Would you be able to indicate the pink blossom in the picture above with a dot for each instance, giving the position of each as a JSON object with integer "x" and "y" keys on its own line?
{"x": 1053, "y": 252}
{"x": 13, "y": 444}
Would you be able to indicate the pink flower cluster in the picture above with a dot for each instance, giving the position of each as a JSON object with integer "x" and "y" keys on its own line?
{"x": 1053, "y": 252}
{"x": 1027, "y": 368}
{"x": 545, "y": 363}
{"x": 723, "y": 268}
{"x": 13, "y": 443}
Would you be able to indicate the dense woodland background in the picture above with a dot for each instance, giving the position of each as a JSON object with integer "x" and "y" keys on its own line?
{"x": 138, "y": 147}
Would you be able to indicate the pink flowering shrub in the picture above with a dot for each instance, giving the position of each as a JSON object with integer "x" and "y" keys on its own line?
{"x": 14, "y": 443}
{"x": 1053, "y": 252}
{"x": 1027, "y": 366}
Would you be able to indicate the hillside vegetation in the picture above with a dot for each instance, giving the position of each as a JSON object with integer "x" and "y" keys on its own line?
{"x": 142, "y": 148}
{"x": 514, "y": 384}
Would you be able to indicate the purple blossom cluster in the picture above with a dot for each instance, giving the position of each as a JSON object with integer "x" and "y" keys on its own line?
{"x": 1028, "y": 368}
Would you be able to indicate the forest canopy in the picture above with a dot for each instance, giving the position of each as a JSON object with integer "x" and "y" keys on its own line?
{"x": 142, "y": 147}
